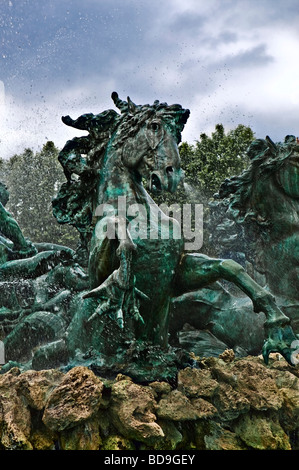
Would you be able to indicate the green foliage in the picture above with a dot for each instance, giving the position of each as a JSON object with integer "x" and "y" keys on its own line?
{"x": 218, "y": 157}
{"x": 33, "y": 179}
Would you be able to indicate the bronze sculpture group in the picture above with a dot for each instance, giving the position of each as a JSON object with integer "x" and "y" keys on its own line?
{"x": 124, "y": 298}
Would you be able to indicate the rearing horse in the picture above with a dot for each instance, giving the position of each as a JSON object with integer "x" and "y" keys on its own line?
{"x": 133, "y": 277}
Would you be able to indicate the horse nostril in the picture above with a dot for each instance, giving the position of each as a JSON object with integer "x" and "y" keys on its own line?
{"x": 169, "y": 170}
{"x": 156, "y": 185}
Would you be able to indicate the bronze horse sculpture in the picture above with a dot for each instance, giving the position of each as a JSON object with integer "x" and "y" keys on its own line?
{"x": 133, "y": 278}
{"x": 259, "y": 213}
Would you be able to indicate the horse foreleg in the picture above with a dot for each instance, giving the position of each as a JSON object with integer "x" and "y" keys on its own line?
{"x": 197, "y": 270}
{"x": 115, "y": 289}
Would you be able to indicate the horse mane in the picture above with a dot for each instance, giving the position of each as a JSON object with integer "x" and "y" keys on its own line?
{"x": 101, "y": 126}
{"x": 136, "y": 115}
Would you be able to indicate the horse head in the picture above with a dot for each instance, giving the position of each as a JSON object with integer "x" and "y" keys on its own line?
{"x": 148, "y": 137}
{"x": 288, "y": 174}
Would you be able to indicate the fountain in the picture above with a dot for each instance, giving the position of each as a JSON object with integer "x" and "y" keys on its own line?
{"x": 109, "y": 306}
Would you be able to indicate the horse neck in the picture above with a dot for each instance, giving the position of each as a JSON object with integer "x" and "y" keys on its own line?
{"x": 116, "y": 180}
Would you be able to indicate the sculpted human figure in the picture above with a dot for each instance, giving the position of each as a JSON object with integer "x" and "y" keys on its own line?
{"x": 10, "y": 231}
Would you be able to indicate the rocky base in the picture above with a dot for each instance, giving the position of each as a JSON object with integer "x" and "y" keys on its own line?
{"x": 224, "y": 404}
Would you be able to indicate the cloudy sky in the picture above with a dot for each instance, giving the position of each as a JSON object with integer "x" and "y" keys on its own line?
{"x": 229, "y": 61}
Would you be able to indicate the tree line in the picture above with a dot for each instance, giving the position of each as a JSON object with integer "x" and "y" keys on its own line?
{"x": 33, "y": 180}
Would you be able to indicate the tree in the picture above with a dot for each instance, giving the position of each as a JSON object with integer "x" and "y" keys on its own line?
{"x": 209, "y": 162}
{"x": 218, "y": 157}
{"x": 33, "y": 179}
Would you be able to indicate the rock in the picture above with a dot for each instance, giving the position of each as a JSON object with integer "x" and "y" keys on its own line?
{"x": 121, "y": 377}
{"x": 36, "y": 386}
{"x": 261, "y": 433}
{"x": 204, "y": 408}
{"x": 196, "y": 382}
{"x": 133, "y": 412}
{"x": 76, "y": 399}
{"x": 256, "y": 383}
{"x": 290, "y": 415}
{"x": 173, "y": 436}
{"x": 211, "y": 436}
{"x": 228, "y": 355}
{"x": 15, "y": 422}
{"x": 235, "y": 405}
{"x": 160, "y": 388}
{"x": 229, "y": 403}
{"x": 116, "y": 442}
{"x": 85, "y": 436}
{"x": 41, "y": 437}
{"x": 177, "y": 407}
{"x": 287, "y": 380}
{"x": 281, "y": 365}
{"x": 104, "y": 420}
{"x": 244, "y": 384}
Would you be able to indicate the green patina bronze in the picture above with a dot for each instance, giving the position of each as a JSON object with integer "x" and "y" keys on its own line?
{"x": 13, "y": 244}
{"x": 256, "y": 215}
{"x": 116, "y": 315}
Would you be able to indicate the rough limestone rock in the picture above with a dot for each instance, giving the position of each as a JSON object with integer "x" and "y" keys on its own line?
{"x": 15, "y": 416}
{"x": 75, "y": 400}
{"x": 197, "y": 383}
{"x": 261, "y": 433}
{"x": 37, "y": 386}
{"x": 85, "y": 436}
{"x": 133, "y": 411}
{"x": 225, "y": 403}
{"x": 177, "y": 407}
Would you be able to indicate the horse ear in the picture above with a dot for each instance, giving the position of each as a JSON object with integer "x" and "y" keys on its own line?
{"x": 271, "y": 145}
{"x": 120, "y": 104}
{"x": 131, "y": 106}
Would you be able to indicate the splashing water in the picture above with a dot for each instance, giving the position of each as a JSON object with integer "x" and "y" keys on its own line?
{"x": 188, "y": 188}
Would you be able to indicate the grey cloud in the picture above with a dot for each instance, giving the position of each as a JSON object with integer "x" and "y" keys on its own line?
{"x": 50, "y": 42}
{"x": 264, "y": 122}
{"x": 70, "y": 54}
{"x": 188, "y": 23}
{"x": 254, "y": 57}
{"x": 225, "y": 37}
{"x": 254, "y": 14}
